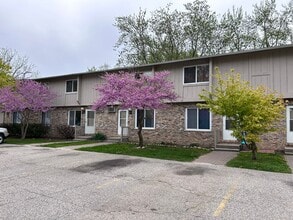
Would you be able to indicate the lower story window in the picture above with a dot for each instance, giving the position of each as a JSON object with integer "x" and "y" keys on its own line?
{"x": 197, "y": 119}
{"x": 74, "y": 118}
{"x": 16, "y": 118}
{"x": 148, "y": 118}
{"x": 46, "y": 118}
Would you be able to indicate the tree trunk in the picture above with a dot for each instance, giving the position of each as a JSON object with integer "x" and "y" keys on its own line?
{"x": 139, "y": 132}
{"x": 253, "y": 150}
{"x": 24, "y": 128}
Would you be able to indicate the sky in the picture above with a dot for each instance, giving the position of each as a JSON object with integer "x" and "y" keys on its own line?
{"x": 69, "y": 36}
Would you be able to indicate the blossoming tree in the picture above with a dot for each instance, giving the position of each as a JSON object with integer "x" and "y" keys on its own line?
{"x": 26, "y": 97}
{"x": 136, "y": 91}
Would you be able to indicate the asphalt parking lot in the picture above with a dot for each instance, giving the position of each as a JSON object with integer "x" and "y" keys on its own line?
{"x": 43, "y": 183}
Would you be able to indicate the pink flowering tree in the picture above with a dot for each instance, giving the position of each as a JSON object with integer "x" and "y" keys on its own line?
{"x": 26, "y": 97}
{"x": 136, "y": 91}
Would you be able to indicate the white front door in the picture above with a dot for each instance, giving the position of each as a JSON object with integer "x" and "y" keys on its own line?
{"x": 227, "y": 132}
{"x": 122, "y": 121}
{"x": 90, "y": 121}
{"x": 289, "y": 116}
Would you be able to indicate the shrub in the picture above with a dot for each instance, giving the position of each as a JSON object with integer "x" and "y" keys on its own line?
{"x": 99, "y": 137}
{"x": 66, "y": 131}
{"x": 34, "y": 130}
{"x": 37, "y": 131}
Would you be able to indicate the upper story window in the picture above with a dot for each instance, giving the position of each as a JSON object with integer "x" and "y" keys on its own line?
{"x": 196, "y": 74}
{"x": 71, "y": 85}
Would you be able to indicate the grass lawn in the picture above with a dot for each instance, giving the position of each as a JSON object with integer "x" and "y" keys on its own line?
{"x": 12, "y": 140}
{"x": 69, "y": 143}
{"x": 151, "y": 151}
{"x": 265, "y": 162}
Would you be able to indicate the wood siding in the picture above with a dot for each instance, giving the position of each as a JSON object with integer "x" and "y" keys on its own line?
{"x": 272, "y": 68}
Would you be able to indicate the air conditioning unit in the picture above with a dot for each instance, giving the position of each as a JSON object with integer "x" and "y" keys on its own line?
{"x": 111, "y": 109}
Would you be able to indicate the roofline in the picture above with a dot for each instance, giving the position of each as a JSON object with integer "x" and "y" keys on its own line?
{"x": 169, "y": 62}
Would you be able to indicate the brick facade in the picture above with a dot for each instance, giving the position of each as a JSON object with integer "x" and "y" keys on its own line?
{"x": 169, "y": 127}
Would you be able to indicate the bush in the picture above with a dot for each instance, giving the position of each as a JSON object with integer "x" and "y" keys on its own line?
{"x": 66, "y": 131}
{"x": 13, "y": 129}
{"x": 33, "y": 131}
{"x": 99, "y": 137}
{"x": 37, "y": 131}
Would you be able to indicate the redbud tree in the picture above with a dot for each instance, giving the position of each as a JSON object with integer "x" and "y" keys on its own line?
{"x": 136, "y": 91}
{"x": 26, "y": 97}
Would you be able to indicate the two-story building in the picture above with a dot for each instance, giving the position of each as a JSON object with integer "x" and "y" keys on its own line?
{"x": 182, "y": 123}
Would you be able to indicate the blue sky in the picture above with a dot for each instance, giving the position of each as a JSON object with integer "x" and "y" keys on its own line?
{"x": 68, "y": 36}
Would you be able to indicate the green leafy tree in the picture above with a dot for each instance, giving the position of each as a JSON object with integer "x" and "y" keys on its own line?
{"x": 200, "y": 27}
{"x": 273, "y": 27}
{"x": 167, "y": 41}
{"x": 253, "y": 110}
{"x": 5, "y": 78}
{"x": 235, "y": 33}
{"x": 134, "y": 38}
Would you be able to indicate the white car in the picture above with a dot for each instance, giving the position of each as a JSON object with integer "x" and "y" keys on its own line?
{"x": 3, "y": 134}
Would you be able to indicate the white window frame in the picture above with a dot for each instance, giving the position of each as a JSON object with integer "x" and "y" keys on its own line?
{"x": 68, "y": 116}
{"x": 72, "y": 86}
{"x": 145, "y": 128}
{"x": 192, "y": 129}
{"x": 196, "y": 83}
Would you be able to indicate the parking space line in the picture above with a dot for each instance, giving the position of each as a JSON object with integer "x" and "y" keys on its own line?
{"x": 225, "y": 200}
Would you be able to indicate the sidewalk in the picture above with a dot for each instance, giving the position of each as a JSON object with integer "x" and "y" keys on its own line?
{"x": 289, "y": 159}
{"x": 217, "y": 157}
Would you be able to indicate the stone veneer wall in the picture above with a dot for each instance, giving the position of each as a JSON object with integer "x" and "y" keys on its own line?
{"x": 170, "y": 129}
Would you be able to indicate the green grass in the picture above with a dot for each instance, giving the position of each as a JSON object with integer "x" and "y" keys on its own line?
{"x": 151, "y": 151}
{"x": 12, "y": 140}
{"x": 265, "y": 162}
{"x": 70, "y": 143}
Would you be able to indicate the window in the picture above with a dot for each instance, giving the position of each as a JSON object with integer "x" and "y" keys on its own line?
{"x": 46, "y": 118}
{"x": 16, "y": 118}
{"x": 74, "y": 118}
{"x": 148, "y": 118}
{"x": 71, "y": 85}
{"x": 196, "y": 74}
{"x": 197, "y": 119}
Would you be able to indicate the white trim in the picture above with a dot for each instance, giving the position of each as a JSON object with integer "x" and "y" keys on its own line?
{"x": 192, "y": 129}
{"x": 227, "y": 134}
{"x": 145, "y": 128}
{"x": 89, "y": 129}
{"x": 119, "y": 125}
{"x": 289, "y": 133}
{"x": 196, "y": 83}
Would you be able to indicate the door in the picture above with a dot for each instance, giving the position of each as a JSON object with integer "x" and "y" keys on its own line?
{"x": 122, "y": 121}
{"x": 289, "y": 116}
{"x": 227, "y": 132}
{"x": 90, "y": 121}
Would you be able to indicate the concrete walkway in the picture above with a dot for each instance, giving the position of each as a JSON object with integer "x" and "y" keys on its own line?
{"x": 217, "y": 157}
{"x": 289, "y": 159}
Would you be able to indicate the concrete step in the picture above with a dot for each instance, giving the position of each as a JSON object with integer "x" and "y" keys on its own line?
{"x": 84, "y": 137}
{"x": 289, "y": 150}
{"x": 227, "y": 147}
{"x": 114, "y": 139}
